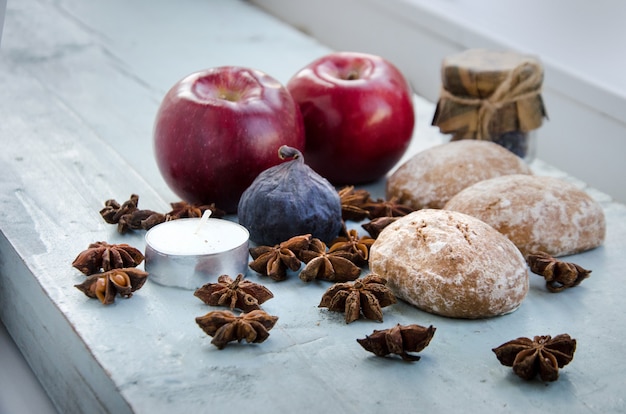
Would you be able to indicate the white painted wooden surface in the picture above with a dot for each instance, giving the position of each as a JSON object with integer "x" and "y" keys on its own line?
{"x": 81, "y": 82}
{"x": 3, "y": 6}
{"x": 579, "y": 42}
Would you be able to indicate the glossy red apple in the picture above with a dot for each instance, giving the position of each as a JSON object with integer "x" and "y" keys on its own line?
{"x": 217, "y": 129}
{"x": 358, "y": 115}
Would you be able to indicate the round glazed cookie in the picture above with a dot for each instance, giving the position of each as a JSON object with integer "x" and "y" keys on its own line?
{"x": 536, "y": 213}
{"x": 431, "y": 177}
{"x": 450, "y": 264}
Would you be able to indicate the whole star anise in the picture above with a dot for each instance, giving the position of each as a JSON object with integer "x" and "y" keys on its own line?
{"x": 321, "y": 264}
{"x": 387, "y": 208}
{"x": 128, "y": 216}
{"x": 182, "y": 209}
{"x": 273, "y": 261}
{"x": 106, "y": 286}
{"x": 239, "y": 293}
{"x": 559, "y": 274}
{"x": 399, "y": 340}
{"x": 542, "y": 355}
{"x": 357, "y": 247}
{"x": 105, "y": 256}
{"x": 353, "y": 202}
{"x": 367, "y": 295}
{"x": 226, "y": 327}
{"x": 113, "y": 211}
{"x": 139, "y": 220}
{"x": 375, "y": 226}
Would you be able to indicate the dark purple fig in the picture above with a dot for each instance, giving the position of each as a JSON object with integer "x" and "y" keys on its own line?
{"x": 290, "y": 199}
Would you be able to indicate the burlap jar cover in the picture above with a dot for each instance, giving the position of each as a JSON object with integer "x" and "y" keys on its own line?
{"x": 487, "y": 93}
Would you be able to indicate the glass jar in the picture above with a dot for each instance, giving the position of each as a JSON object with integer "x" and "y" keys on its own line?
{"x": 492, "y": 95}
{"x": 522, "y": 144}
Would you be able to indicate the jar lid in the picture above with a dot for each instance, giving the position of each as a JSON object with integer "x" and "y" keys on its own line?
{"x": 486, "y": 93}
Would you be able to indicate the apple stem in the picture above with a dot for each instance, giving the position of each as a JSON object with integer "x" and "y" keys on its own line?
{"x": 231, "y": 96}
{"x": 352, "y": 75}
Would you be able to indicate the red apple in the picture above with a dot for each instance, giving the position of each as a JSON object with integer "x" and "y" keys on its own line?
{"x": 217, "y": 129}
{"x": 358, "y": 115}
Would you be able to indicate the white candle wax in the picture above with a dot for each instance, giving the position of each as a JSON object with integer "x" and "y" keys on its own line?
{"x": 188, "y": 252}
{"x": 180, "y": 237}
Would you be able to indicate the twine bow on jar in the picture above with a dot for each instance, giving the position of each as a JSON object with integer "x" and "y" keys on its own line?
{"x": 486, "y": 93}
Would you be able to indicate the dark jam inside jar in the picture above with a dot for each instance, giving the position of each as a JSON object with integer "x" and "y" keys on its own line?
{"x": 492, "y": 95}
{"x": 519, "y": 143}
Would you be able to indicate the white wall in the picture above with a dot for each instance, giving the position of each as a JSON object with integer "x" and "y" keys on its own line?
{"x": 579, "y": 42}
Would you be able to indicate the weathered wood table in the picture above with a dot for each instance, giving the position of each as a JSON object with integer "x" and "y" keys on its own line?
{"x": 80, "y": 84}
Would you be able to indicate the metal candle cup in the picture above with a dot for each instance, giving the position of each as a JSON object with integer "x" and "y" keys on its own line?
{"x": 187, "y": 253}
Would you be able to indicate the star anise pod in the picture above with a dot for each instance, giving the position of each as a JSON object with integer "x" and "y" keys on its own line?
{"x": 225, "y": 327}
{"x": 559, "y": 274}
{"x": 182, "y": 209}
{"x": 352, "y": 203}
{"x": 542, "y": 355}
{"x": 321, "y": 264}
{"x": 139, "y": 220}
{"x": 357, "y": 247}
{"x": 105, "y": 286}
{"x": 375, "y": 226}
{"x": 399, "y": 340}
{"x": 113, "y": 211}
{"x": 367, "y": 295}
{"x": 128, "y": 216}
{"x": 105, "y": 256}
{"x": 273, "y": 261}
{"x": 239, "y": 293}
{"x": 387, "y": 208}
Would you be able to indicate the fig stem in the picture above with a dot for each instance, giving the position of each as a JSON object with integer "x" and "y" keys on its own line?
{"x": 286, "y": 151}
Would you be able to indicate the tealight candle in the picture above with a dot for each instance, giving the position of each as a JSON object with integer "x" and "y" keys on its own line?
{"x": 186, "y": 253}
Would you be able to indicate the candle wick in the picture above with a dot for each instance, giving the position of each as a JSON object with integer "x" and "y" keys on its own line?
{"x": 203, "y": 220}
